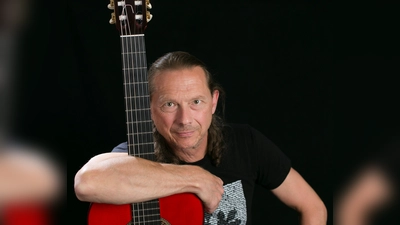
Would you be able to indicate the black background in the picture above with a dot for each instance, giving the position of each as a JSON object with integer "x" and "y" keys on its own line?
{"x": 274, "y": 59}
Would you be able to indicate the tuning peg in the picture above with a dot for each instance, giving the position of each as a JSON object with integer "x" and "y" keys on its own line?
{"x": 148, "y": 16}
{"x": 112, "y": 20}
{"x": 111, "y": 5}
{"x": 148, "y": 4}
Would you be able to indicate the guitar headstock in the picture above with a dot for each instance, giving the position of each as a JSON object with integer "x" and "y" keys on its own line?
{"x": 130, "y": 16}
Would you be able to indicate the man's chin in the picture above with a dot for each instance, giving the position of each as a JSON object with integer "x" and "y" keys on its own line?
{"x": 186, "y": 145}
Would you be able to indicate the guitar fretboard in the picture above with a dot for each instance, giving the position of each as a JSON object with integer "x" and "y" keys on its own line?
{"x": 138, "y": 119}
{"x": 137, "y": 98}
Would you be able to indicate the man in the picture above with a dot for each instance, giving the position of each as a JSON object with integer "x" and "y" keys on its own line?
{"x": 197, "y": 153}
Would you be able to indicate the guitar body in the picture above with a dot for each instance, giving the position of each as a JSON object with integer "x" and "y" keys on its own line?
{"x": 179, "y": 209}
{"x": 131, "y": 17}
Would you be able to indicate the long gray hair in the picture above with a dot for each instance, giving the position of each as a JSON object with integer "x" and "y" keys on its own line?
{"x": 181, "y": 60}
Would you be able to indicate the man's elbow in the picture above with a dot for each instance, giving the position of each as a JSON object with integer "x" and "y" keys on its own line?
{"x": 323, "y": 212}
{"x": 82, "y": 187}
{"x": 316, "y": 213}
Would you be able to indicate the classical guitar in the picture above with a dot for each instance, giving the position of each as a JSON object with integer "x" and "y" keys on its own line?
{"x": 131, "y": 18}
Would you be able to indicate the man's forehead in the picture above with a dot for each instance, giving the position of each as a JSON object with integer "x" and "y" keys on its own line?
{"x": 181, "y": 95}
{"x": 182, "y": 71}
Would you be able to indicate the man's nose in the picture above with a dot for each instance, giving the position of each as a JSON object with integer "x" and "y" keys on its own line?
{"x": 184, "y": 115}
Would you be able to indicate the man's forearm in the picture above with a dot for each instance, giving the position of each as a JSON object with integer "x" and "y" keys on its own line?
{"x": 127, "y": 179}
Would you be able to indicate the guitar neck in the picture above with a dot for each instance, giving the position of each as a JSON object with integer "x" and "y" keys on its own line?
{"x": 137, "y": 97}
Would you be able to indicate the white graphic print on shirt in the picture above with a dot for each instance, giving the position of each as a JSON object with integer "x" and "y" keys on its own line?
{"x": 231, "y": 209}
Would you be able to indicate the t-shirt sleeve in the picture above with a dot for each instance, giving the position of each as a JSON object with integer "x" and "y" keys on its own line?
{"x": 123, "y": 147}
{"x": 272, "y": 165}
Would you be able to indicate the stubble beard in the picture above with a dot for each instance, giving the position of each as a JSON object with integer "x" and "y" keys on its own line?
{"x": 191, "y": 148}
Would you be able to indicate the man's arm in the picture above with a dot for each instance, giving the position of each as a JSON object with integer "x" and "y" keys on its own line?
{"x": 369, "y": 191}
{"x": 299, "y": 195}
{"x": 118, "y": 178}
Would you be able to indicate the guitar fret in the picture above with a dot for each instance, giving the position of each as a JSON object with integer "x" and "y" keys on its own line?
{"x": 139, "y": 117}
{"x": 142, "y": 101}
{"x": 143, "y": 144}
{"x": 147, "y": 209}
{"x": 140, "y": 51}
{"x": 131, "y": 36}
{"x": 148, "y": 157}
{"x": 137, "y": 110}
{"x": 147, "y": 218}
{"x": 142, "y": 82}
{"x": 139, "y": 130}
{"x": 145, "y": 154}
{"x": 134, "y": 97}
{"x": 136, "y": 132}
{"x": 134, "y": 52}
{"x": 146, "y": 222}
{"x": 138, "y": 122}
{"x": 140, "y": 133}
{"x": 130, "y": 52}
{"x": 135, "y": 68}
{"x": 137, "y": 83}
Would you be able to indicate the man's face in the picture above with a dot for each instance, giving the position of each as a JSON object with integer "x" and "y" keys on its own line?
{"x": 182, "y": 108}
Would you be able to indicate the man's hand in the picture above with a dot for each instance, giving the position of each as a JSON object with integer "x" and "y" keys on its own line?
{"x": 209, "y": 188}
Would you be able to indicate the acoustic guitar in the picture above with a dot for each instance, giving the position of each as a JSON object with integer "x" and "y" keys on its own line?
{"x": 131, "y": 18}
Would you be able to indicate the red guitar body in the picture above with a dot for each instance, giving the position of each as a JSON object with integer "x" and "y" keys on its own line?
{"x": 180, "y": 209}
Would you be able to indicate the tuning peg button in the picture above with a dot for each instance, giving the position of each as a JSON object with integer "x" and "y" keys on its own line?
{"x": 111, "y": 5}
{"x": 148, "y": 16}
{"x": 112, "y": 20}
{"x": 148, "y": 4}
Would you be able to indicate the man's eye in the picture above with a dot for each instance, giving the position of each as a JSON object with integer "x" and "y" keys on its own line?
{"x": 196, "y": 102}
{"x": 169, "y": 107}
{"x": 169, "y": 104}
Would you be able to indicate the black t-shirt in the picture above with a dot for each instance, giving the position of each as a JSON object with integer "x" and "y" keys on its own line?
{"x": 249, "y": 159}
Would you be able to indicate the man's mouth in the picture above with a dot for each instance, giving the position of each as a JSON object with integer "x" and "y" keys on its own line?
{"x": 184, "y": 134}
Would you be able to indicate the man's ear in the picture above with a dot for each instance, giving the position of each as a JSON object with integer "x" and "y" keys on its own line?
{"x": 215, "y": 96}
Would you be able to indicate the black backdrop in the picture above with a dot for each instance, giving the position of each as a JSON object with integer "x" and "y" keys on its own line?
{"x": 274, "y": 59}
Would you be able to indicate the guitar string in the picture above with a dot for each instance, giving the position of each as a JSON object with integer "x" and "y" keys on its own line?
{"x": 127, "y": 81}
{"x": 137, "y": 86}
{"x": 139, "y": 112}
{"x": 140, "y": 206}
{"x": 128, "y": 93}
{"x": 147, "y": 116}
{"x": 142, "y": 102}
{"x": 147, "y": 126}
